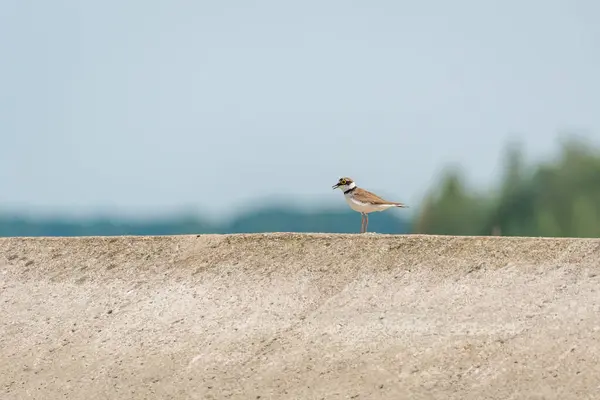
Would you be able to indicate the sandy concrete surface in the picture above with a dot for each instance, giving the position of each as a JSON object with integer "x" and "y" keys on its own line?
{"x": 299, "y": 316}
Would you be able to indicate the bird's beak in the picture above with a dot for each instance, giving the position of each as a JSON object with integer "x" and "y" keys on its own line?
{"x": 335, "y": 186}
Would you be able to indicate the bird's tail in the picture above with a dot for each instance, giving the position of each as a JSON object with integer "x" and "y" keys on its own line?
{"x": 401, "y": 205}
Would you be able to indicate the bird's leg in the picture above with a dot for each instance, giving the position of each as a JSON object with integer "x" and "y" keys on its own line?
{"x": 362, "y": 222}
{"x": 366, "y": 222}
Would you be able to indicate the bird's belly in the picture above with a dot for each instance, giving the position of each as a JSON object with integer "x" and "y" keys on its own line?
{"x": 360, "y": 207}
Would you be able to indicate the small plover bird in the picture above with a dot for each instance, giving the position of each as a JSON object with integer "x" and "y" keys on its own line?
{"x": 363, "y": 201}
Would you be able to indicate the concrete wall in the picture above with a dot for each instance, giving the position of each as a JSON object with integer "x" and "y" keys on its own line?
{"x": 297, "y": 316}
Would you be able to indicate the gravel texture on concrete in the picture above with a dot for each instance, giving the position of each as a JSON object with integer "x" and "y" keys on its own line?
{"x": 299, "y": 316}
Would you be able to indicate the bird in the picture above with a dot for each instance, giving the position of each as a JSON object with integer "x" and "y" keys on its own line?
{"x": 363, "y": 201}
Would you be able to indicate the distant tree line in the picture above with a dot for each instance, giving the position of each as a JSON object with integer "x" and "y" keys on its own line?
{"x": 266, "y": 220}
{"x": 560, "y": 197}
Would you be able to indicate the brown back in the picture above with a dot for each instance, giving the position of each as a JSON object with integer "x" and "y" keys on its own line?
{"x": 368, "y": 197}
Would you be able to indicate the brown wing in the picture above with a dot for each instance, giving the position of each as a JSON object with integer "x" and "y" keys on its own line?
{"x": 368, "y": 197}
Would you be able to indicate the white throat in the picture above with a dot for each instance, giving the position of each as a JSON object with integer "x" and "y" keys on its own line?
{"x": 348, "y": 187}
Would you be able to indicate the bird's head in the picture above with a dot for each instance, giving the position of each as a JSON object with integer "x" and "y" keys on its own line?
{"x": 344, "y": 183}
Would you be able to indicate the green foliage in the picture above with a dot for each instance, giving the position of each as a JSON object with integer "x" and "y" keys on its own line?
{"x": 555, "y": 198}
{"x": 451, "y": 210}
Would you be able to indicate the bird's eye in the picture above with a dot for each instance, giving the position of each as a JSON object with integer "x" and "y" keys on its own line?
{"x": 343, "y": 181}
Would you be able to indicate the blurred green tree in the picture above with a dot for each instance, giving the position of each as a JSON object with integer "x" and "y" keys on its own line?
{"x": 559, "y": 197}
{"x": 451, "y": 209}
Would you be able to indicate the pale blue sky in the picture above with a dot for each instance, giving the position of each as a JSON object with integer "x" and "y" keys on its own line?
{"x": 150, "y": 106}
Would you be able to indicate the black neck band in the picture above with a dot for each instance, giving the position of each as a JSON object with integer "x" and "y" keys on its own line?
{"x": 349, "y": 190}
